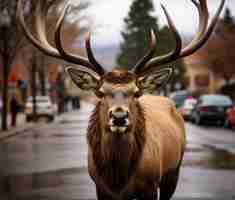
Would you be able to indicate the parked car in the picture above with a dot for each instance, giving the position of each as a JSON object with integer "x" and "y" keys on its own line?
{"x": 187, "y": 108}
{"x": 44, "y": 108}
{"x": 230, "y": 118}
{"x": 1, "y": 105}
{"x": 179, "y": 97}
{"x": 211, "y": 108}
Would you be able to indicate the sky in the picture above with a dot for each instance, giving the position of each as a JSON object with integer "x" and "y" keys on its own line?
{"x": 107, "y": 17}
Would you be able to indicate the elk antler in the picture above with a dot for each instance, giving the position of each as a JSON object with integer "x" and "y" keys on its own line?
{"x": 148, "y": 64}
{"x": 42, "y": 43}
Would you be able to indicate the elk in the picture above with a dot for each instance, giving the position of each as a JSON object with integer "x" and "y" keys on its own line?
{"x": 136, "y": 141}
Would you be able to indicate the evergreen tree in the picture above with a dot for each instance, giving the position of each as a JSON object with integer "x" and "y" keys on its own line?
{"x": 138, "y": 24}
{"x": 228, "y": 19}
{"x": 135, "y": 44}
{"x": 167, "y": 44}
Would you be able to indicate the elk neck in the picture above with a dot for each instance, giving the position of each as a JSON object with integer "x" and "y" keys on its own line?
{"x": 116, "y": 156}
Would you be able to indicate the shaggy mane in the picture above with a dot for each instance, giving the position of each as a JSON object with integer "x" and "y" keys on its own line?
{"x": 116, "y": 159}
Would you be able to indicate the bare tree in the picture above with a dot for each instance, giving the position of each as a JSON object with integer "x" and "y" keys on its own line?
{"x": 220, "y": 49}
{"x": 10, "y": 43}
{"x": 71, "y": 31}
{"x": 12, "y": 40}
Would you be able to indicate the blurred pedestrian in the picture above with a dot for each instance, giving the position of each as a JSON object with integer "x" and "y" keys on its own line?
{"x": 14, "y": 107}
{"x": 76, "y": 102}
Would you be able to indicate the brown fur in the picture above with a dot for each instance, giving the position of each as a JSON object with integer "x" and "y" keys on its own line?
{"x": 122, "y": 151}
{"x": 119, "y": 76}
{"x": 133, "y": 164}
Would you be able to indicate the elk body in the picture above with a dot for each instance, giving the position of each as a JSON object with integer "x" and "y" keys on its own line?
{"x": 135, "y": 144}
{"x": 136, "y": 141}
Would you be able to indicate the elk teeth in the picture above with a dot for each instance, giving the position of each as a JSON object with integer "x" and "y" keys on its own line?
{"x": 113, "y": 128}
{"x": 121, "y": 129}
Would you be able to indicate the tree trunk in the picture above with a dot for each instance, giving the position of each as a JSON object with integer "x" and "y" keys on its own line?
{"x": 42, "y": 77}
{"x": 5, "y": 61}
{"x": 33, "y": 86}
{"x": 5, "y": 94}
{"x": 227, "y": 80}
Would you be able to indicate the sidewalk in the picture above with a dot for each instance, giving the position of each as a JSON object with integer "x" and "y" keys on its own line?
{"x": 22, "y": 126}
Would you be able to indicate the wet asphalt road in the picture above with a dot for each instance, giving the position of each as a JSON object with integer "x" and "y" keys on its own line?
{"x": 49, "y": 162}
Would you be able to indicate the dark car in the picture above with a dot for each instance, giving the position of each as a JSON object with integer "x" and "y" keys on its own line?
{"x": 230, "y": 118}
{"x": 211, "y": 108}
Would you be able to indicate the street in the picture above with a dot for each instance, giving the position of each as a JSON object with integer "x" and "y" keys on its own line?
{"x": 49, "y": 162}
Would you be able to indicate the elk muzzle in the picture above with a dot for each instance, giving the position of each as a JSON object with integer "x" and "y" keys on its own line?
{"x": 119, "y": 119}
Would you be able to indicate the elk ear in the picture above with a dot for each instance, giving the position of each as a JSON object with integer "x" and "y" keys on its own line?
{"x": 155, "y": 80}
{"x": 84, "y": 78}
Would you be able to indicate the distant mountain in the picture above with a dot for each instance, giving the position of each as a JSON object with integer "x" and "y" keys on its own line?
{"x": 106, "y": 55}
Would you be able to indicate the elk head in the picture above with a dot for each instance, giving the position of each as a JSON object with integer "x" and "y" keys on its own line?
{"x": 119, "y": 89}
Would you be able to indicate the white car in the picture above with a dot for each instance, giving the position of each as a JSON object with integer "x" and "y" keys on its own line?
{"x": 187, "y": 108}
{"x": 44, "y": 108}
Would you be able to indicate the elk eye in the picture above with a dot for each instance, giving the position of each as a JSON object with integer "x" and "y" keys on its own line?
{"x": 138, "y": 93}
{"x": 125, "y": 95}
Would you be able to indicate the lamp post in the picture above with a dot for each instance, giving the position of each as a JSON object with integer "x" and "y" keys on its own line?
{"x": 60, "y": 90}
{"x": 5, "y": 23}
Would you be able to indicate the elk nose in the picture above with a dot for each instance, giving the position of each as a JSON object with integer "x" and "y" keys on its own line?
{"x": 119, "y": 117}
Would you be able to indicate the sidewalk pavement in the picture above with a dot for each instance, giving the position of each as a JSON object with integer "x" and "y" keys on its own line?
{"x": 21, "y": 126}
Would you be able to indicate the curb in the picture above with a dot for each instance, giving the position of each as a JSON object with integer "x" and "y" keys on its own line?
{"x": 21, "y": 129}
{"x": 15, "y": 131}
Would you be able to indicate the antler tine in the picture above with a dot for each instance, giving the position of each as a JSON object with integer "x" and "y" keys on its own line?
{"x": 41, "y": 41}
{"x": 40, "y": 18}
{"x": 30, "y": 37}
{"x": 149, "y": 55}
{"x": 203, "y": 18}
{"x": 91, "y": 57}
{"x": 201, "y": 37}
{"x": 205, "y": 35}
{"x": 165, "y": 58}
{"x": 74, "y": 59}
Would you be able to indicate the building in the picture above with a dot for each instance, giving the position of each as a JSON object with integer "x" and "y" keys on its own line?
{"x": 200, "y": 79}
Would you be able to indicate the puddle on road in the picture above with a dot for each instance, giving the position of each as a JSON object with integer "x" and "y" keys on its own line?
{"x": 27, "y": 186}
{"x": 221, "y": 159}
{"x": 210, "y": 158}
{"x": 74, "y": 132}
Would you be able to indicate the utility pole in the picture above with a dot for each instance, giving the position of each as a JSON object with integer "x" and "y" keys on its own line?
{"x": 33, "y": 84}
{"x": 5, "y": 22}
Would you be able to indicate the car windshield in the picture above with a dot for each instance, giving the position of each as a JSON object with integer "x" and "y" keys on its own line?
{"x": 216, "y": 100}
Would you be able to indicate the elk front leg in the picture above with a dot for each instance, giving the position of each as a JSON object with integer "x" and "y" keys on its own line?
{"x": 148, "y": 193}
{"x": 168, "y": 184}
{"x": 102, "y": 195}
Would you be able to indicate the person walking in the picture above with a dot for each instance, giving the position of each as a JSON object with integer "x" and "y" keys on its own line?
{"x": 14, "y": 108}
